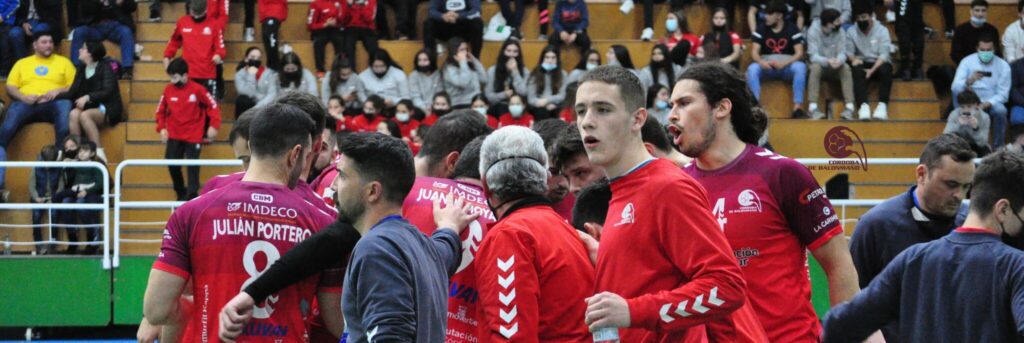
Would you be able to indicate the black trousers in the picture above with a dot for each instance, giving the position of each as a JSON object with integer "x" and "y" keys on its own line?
{"x": 405, "y": 16}
{"x": 351, "y": 36}
{"x": 514, "y": 18}
{"x": 272, "y": 42}
{"x": 948, "y": 13}
{"x": 250, "y": 13}
{"x": 320, "y": 40}
{"x": 470, "y": 30}
{"x": 910, "y": 33}
{"x": 183, "y": 150}
{"x": 243, "y": 103}
{"x": 582, "y": 42}
{"x": 860, "y": 83}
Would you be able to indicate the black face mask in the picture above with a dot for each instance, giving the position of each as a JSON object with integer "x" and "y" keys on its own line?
{"x": 180, "y": 84}
{"x": 442, "y": 112}
{"x": 200, "y": 18}
{"x": 717, "y": 28}
{"x": 71, "y": 153}
{"x": 255, "y": 63}
{"x": 423, "y": 69}
{"x": 863, "y": 25}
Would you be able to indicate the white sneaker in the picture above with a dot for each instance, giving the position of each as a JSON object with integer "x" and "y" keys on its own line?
{"x": 647, "y": 34}
{"x": 102, "y": 155}
{"x": 890, "y": 16}
{"x": 440, "y": 49}
{"x": 881, "y": 112}
{"x": 865, "y": 112}
{"x": 286, "y": 48}
{"x": 847, "y": 114}
{"x": 250, "y": 34}
{"x": 627, "y": 6}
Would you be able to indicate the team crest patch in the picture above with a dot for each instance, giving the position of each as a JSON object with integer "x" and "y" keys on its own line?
{"x": 192, "y": 98}
{"x": 206, "y": 31}
{"x": 749, "y": 201}
{"x": 42, "y": 70}
{"x": 627, "y": 216}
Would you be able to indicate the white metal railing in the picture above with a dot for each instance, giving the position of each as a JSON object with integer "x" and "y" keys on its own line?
{"x": 119, "y": 204}
{"x": 104, "y": 206}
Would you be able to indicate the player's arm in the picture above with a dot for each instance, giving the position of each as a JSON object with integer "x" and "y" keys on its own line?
{"x": 174, "y": 43}
{"x": 162, "y": 304}
{"x": 318, "y": 252}
{"x": 509, "y": 287}
{"x": 330, "y": 312}
{"x": 388, "y": 305}
{"x": 869, "y": 310}
{"x": 834, "y": 257}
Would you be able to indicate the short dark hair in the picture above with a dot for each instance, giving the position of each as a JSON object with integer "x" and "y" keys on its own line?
{"x": 96, "y": 50}
{"x": 986, "y": 37}
{"x": 946, "y": 144}
{"x": 719, "y": 81}
{"x": 981, "y": 3}
{"x": 828, "y": 16}
{"x": 468, "y": 165}
{"x": 177, "y": 66}
{"x": 241, "y": 126}
{"x": 45, "y": 33}
{"x": 968, "y": 97}
{"x": 568, "y": 145}
{"x": 1020, "y": 6}
{"x": 549, "y": 130}
{"x": 377, "y": 101}
{"x": 630, "y": 89}
{"x": 384, "y": 159}
{"x": 999, "y": 176}
{"x": 48, "y": 153}
{"x": 859, "y": 8}
{"x": 277, "y": 128}
{"x": 197, "y": 6}
{"x": 452, "y": 133}
{"x": 591, "y": 204}
{"x": 653, "y": 132}
{"x": 310, "y": 104}
{"x": 776, "y": 6}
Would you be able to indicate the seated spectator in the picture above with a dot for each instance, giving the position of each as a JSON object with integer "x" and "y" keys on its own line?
{"x": 722, "y": 42}
{"x": 372, "y": 115}
{"x": 183, "y": 112}
{"x": 481, "y": 106}
{"x": 389, "y": 128}
{"x": 337, "y": 112}
{"x": 660, "y": 70}
{"x": 96, "y": 96}
{"x": 34, "y": 17}
{"x": 86, "y": 188}
{"x": 404, "y": 118}
{"x": 591, "y": 61}
{"x": 965, "y": 36}
{"x": 546, "y": 85}
{"x": 517, "y": 114}
{"x": 359, "y": 26}
{"x": 438, "y": 108}
{"x": 111, "y": 20}
{"x": 758, "y": 12}
{"x": 680, "y": 40}
{"x": 252, "y": 82}
{"x": 461, "y": 74}
{"x": 292, "y": 77}
{"x": 1013, "y": 37}
{"x": 507, "y": 76}
{"x": 988, "y": 76}
{"x": 618, "y": 55}
{"x": 424, "y": 81}
{"x": 970, "y": 122}
{"x": 843, "y": 6}
{"x": 324, "y": 23}
{"x": 7, "y": 21}
{"x": 826, "y": 44}
{"x": 868, "y": 46}
{"x": 454, "y": 18}
{"x": 385, "y": 78}
{"x": 778, "y": 50}
{"x": 570, "y": 23}
{"x": 202, "y": 43}
{"x": 342, "y": 81}
{"x": 673, "y": 5}
{"x": 658, "y": 105}
{"x": 514, "y": 18}
{"x": 37, "y": 87}
{"x": 43, "y": 183}
{"x": 1017, "y": 93}
{"x": 568, "y": 113}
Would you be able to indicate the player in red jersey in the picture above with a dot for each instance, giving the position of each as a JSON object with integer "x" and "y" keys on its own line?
{"x": 770, "y": 207}
{"x": 224, "y": 239}
{"x": 664, "y": 269}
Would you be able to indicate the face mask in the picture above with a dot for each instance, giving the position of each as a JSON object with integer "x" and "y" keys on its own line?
{"x": 402, "y": 116}
{"x": 180, "y": 84}
{"x": 591, "y": 66}
{"x": 661, "y": 104}
{"x": 255, "y": 63}
{"x": 199, "y": 18}
{"x": 380, "y": 75}
{"x": 442, "y": 112}
{"x": 718, "y": 28}
{"x": 986, "y": 56}
{"x": 422, "y": 69}
{"x": 977, "y": 21}
{"x": 548, "y": 66}
{"x": 863, "y": 25}
{"x": 671, "y": 25}
{"x": 481, "y": 110}
{"x": 515, "y": 110}
{"x": 614, "y": 63}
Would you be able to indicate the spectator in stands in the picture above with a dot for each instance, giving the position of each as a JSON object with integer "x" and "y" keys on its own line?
{"x": 546, "y": 85}
{"x": 457, "y": 18}
{"x": 658, "y": 144}
{"x": 389, "y": 128}
{"x": 96, "y": 95}
{"x": 272, "y": 14}
{"x": 462, "y": 74}
{"x": 404, "y": 118}
{"x": 37, "y": 86}
{"x": 826, "y": 44}
{"x": 372, "y": 115}
{"x": 988, "y": 76}
{"x": 514, "y": 18}
{"x": 966, "y": 35}
{"x": 343, "y": 82}
{"x": 868, "y": 46}
{"x": 517, "y": 113}
{"x": 778, "y": 50}
{"x": 680, "y": 40}
{"x": 843, "y": 6}
{"x": 181, "y": 115}
{"x": 793, "y": 12}
{"x": 107, "y": 20}
{"x": 507, "y": 76}
{"x": 385, "y": 78}
{"x": 970, "y": 122}
{"x": 252, "y": 82}
{"x": 292, "y": 77}
{"x": 570, "y": 158}
{"x": 571, "y": 19}
{"x": 722, "y": 42}
{"x": 1017, "y": 93}
{"x": 910, "y": 37}
{"x": 424, "y": 81}
{"x": 7, "y": 21}
{"x": 618, "y": 55}
{"x": 591, "y": 209}
{"x": 34, "y": 17}
{"x": 440, "y": 106}
{"x": 359, "y": 26}
{"x": 660, "y": 70}
{"x": 324, "y": 23}
{"x": 336, "y": 110}
{"x": 591, "y": 61}
{"x": 202, "y": 44}
{"x": 43, "y": 183}
{"x": 1013, "y": 37}
{"x": 87, "y": 188}
{"x": 405, "y": 19}
{"x": 658, "y": 106}
{"x": 481, "y": 106}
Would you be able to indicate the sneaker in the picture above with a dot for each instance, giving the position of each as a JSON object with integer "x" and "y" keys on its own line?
{"x": 817, "y": 114}
{"x": 516, "y": 35}
{"x": 154, "y": 16}
{"x": 929, "y": 32}
{"x": 627, "y": 7}
{"x": 847, "y": 114}
{"x": 890, "y": 16}
{"x": 949, "y": 34}
{"x": 865, "y": 112}
{"x": 286, "y": 48}
{"x": 5, "y": 195}
{"x": 881, "y": 112}
{"x": 542, "y": 37}
{"x": 917, "y": 74}
{"x": 102, "y": 155}
{"x": 440, "y": 50}
{"x": 799, "y": 114}
{"x": 127, "y": 73}
{"x": 647, "y": 34}
{"x": 138, "y": 51}
{"x": 250, "y": 34}
{"x": 402, "y": 37}
{"x": 903, "y": 74}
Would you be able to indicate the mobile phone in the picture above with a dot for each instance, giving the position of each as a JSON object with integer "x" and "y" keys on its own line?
{"x": 986, "y": 73}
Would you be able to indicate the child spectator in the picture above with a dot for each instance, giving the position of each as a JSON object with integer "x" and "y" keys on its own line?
{"x": 507, "y": 76}
{"x": 660, "y": 70}
{"x": 202, "y": 44}
{"x": 454, "y": 18}
{"x": 722, "y": 42}
{"x": 440, "y": 107}
{"x": 252, "y": 82}
{"x": 372, "y": 115}
{"x": 292, "y": 77}
{"x": 680, "y": 41}
{"x": 658, "y": 105}
{"x": 404, "y": 118}
{"x": 385, "y": 78}
{"x": 481, "y": 106}
{"x": 591, "y": 60}
{"x": 570, "y": 24}
{"x": 324, "y": 22}
{"x": 87, "y": 188}
{"x": 517, "y": 114}
{"x": 97, "y": 99}
{"x": 358, "y": 25}
{"x": 546, "y": 87}
{"x": 461, "y": 74}
{"x": 970, "y": 122}
{"x": 272, "y": 14}
{"x": 337, "y": 112}
{"x": 425, "y": 81}
{"x": 43, "y": 183}
{"x": 180, "y": 117}
{"x": 343, "y": 82}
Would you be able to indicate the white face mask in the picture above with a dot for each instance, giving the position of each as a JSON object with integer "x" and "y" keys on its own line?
{"x": 402, "y": 116}
{"x": 481, "y": 110}
{"x": 515, "y": 110}
{"x": 591, "y": 66}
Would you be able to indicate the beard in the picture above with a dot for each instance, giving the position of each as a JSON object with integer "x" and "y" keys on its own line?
{"x": 293, "y": 176}
{"x": 696, "y": 149}
{"x": 348, "y": 211}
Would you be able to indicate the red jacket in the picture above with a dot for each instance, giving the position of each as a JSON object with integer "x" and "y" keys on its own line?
{"x": 199, "y": 43}
{"x": 568, "y": 115}
{"x": 430, "y": 119}
{"x": 533, "y": 278}
{"x": 322, "y": 10}
{"x": 183, "y": 112}
{"x": 407, "y": 127}
{"x": 506, "y": 120}
{"x": 276, "y": 9}
{"x": 361, "y": 124}
{"x": 218, "y": 11}
{"x": 360, "y": 13}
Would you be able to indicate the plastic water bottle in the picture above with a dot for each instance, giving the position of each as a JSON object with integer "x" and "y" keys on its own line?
{"x": 606, "y": 335}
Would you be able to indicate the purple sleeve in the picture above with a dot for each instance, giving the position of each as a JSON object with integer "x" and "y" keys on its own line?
{"x": 174, "y": 252}
{"x": 808, "y": 211}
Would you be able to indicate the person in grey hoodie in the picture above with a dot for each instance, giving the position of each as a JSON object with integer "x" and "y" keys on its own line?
{"x": 868, "y": 45}
{"x": 385, "y": 78}
{"x": 343, "y": 82}
{"x": 546, "y": 86}
{"x": 826, "y": 45}
{"x": 970, "y": 122}
{"x": 252, "y": 81}
{"x": 843, "y": 6}
{"x": 507, "y": 76}
{"x": 425, "y": 81}
{"x": 292, "y": 77}
{"x": 461, "y": 74}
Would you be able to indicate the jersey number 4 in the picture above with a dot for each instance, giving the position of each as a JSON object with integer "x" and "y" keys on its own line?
{"x": 719, "y": 212}
{"x": 249, "y": 262}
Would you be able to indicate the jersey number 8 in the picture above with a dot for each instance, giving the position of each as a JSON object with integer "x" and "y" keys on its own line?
{"x": 249, "y": 262}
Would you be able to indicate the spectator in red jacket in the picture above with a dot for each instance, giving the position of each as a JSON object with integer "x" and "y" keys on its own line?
{"x": 324, "y": 22}
{"x": 359, "y": 25}
{"x": 481, "y": 106}
{"x": 371, "y": 117}
{"x": 272, "y": 14}
{"x": 180, "y": 117}
{"x": 440, "y": 107}
{"x": 404, "y": 117}
{"x": 517, "y": 114}
{"x": 202, "y": 42}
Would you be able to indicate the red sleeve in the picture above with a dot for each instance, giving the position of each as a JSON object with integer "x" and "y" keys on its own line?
{"x": 175, "y": 43}
{"x": 313, "y": 19}
{"x": 161, "y": 113}
{"x": 735, "y": 39}
{"x": 509, "y": 287}
{"x": 807, "y": 209}
{"x": 698, "y": 248}
{"x": 212, "y": 111}
{"x": 219, "y": 48}
{"x": 174, "y": 254}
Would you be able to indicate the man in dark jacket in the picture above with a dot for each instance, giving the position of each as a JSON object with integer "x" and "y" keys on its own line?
{"x": 447, "y": 19}
{"x": 36, "y": 16}
{"x": 106, "y": 20}
{"x": 7, "y": 20}
{"x": 965, "y": 36}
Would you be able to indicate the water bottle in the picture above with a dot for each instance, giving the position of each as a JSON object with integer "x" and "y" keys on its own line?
{"x": 606, "y": 335}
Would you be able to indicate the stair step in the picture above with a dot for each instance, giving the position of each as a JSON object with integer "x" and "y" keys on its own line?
{"x": 145, "y": 111}
{"x": 146, "y": 132}
{"x": 878, "y": 191}
{"x": 155, "y": 150}
{"x": 158, "y": 178}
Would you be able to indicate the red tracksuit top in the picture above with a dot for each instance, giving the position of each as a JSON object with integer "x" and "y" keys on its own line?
{"x": 322, "y": 10}
{"x": 183, "y": 112}
{"x": 533, "y": 275}
{"x": 218, "y": 11}
{"x": 360, "y": 13}
{"x": 276, "y": 9}
{"x": 525, "y": 120}
{"x": 199, "y": 43}
{"x": 664, "y": 253}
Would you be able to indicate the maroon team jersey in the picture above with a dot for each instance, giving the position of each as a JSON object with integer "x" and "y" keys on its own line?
{"x": 225, "y": 239}
{"x": 772, "y": 211}
{"x": 418, "y": 209}
{"x": 221, "y": 181}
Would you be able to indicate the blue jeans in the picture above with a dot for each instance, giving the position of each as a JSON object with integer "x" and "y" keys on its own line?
{"x": 17, "y": 35}
{"x": 105, "y": 30}
{"x": 998, "y": 115}
{"x": 1017, "y": 116}
{"x": 796, "y": 73}
{"x": 19, "y": 114}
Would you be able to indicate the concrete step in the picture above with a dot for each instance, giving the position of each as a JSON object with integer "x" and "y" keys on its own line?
{"x": 155, "y": 150}
{"x": 145, "y": 111}
{"x": 151, "y": 90}
{"x": 158, "y": 178}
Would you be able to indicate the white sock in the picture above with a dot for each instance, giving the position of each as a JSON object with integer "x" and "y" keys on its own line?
{"x": 812, "y": 107}
{"x": 849, "y": 106}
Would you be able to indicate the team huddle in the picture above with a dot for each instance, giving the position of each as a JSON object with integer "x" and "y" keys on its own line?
{"x": 355, "y": 239}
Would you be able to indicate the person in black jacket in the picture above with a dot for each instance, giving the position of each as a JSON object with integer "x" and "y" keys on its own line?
{"x": 36, "y": 16}
{"x": 95, "y": 93}
{"x": 106, "y": 20}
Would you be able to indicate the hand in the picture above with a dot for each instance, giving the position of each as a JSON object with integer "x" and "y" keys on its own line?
{"x": 211, "y": 133}
{"x": 765, "y": 65}
{"x": 607, "y": 310}
{"x": 876, "y": 338}
{"x": 163, "y": 136}
{"x": 252, "y": 70}
{"x": 350, "y": 97}
{"x": 461, "y": 56}
{"x": 973, "y": 122}
{"x": 49, "y": 96}
{"x": 590, "y": 243}
{"x": 30, "y": 99}
{"x": 331, "y": 22}
{"x": 456, "y": 215}
{"x": 835, "y": 63}
{"x": 148, "y": 333}
{"x": 512, "y": 65}
{"x": 233, "y": 317}
{"x": 509, "y": 93}
{"x": 217, "y": 59}
{"x": 81, "y": 102}
{"x": 551, "y": 107}
{"x": 564, "y": 36}
{"x": 81, "y": 194}
{"x": 28, "y": 29}
{"x": 572, "y": 38}
{"x": 388, "y": 103}
{"x": 888, "y": 3}
{"x": 167, "y": 62}
{"x": 975, "y": 76}
{"x": 867, "y": 74}
{"x": 986, "y": 105}
{"x": 542, "y": 102}
{"x": 856, "y": 62}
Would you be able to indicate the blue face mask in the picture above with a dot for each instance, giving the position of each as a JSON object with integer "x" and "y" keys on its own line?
{"x": 986, "y": 56}
{"x": 661, "y": 104}
{"x": 671, "y": 25}
{"x": 548, "y": 66}
{"x": 977, "y": 21}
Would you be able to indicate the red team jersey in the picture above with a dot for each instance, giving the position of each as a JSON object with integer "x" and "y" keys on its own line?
{"x": 772, "y": 211}
{"x": 225, "y": 239}
{"x": 221, "y": 181}
{"x": 418, "y": 209}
